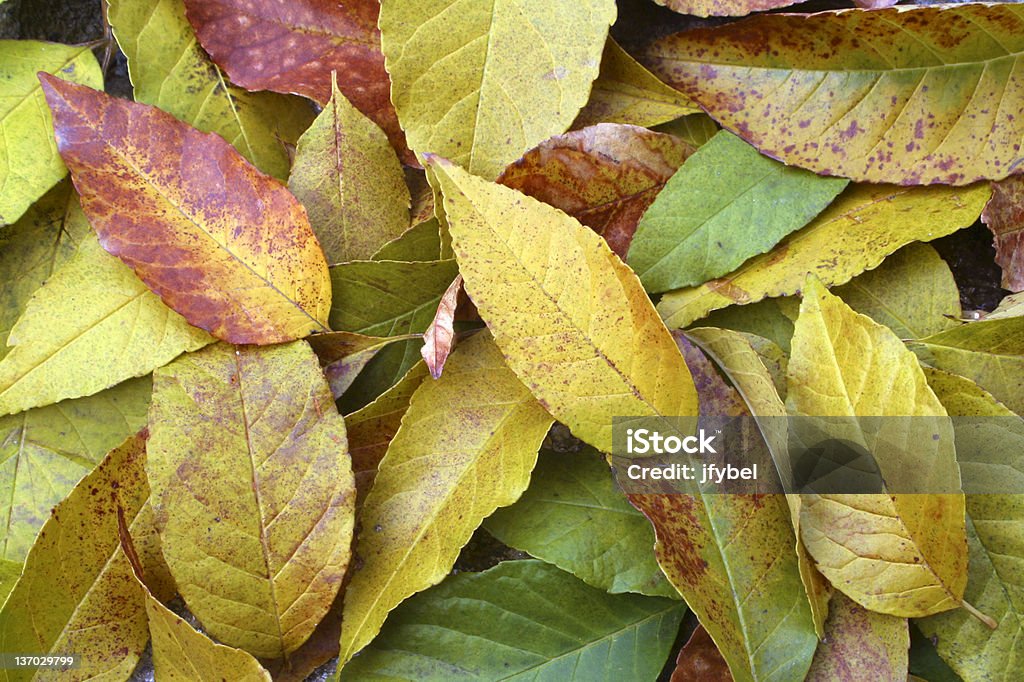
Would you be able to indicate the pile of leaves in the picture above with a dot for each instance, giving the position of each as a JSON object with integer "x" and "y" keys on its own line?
{"x": 221, "y": 445}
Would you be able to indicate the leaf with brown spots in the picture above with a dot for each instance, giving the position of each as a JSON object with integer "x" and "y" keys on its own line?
{"x": 1004, "y": 215}
{"x": 605, "y": 176}
{"x": 860, "y": 645}
{"x": 252, "y": 490}
{"x": 221, "y": 243}
{"x": 909, "y": 95}
{"x": 439, "y": 338}
{"x": 700, "y": 661}
{"x": 724, "y": 8}
{"x": 294, "y": 46}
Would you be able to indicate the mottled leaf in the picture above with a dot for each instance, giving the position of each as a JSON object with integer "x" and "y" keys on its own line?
{"x": 577, "y": 329}
{"x": 294, "y": 47}
{"x": 863, "y": 226}
{"x": 347, "y": 176}
{"x": 29, "y": 163}
{"x": 724, "y": 8}
{"x": 904, "y": 552}
{"x": 220, "y": 242}
{"x": 989, "y": 352}
{"x": 726, "y": 204}
{"x": 91, "y": 326}
{"x": 440, "y": 335}
{"x": 1004, "y": 215}
{"x": 574, "y": 516}
{"x": 1011, "y": 306}
{"x": 860, "y": 645}
{"x": 700, "y": 660}
{"x": 605, "y": 176}
{"x": 344, "y": 354}
{"x": 77, "y": 593}
{"x": 912, "y": 293}
{"x": 253, "y": 491}
{"x": 44, "y": 452}
{"x": 626, "y": 92}
{"x": 467, "y": 445}
{"x": 905, "y": 95}
{"x": 482, "y": 81}
{"x": 169, "y": 70}
{"x": 563, "y": 630}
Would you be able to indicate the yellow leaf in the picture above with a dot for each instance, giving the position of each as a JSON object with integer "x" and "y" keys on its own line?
{"x": 467, "y": 445}
{"x": 252, "y": 490}
{"x": 903, "y": 552}
{"x": 863, "y": 226}
{"x": 483, "y": 81}
{"x": 571, "y": 319}
{"x": 92, "y": 325}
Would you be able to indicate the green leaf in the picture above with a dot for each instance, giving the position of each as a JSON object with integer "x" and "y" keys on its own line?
{"x": 770, "y": 318}
{"x": 482, "y": 81}
{"x": 34, "y": 248}
{"x": 252, "y": 490}
{"x": 726, "y": 204}
{"x": 347, "y": 176}
{"x": 863, "y": 226}
{"x": 91, "y": 326}
{"x": 344, "y": 354}
{"x": 169, "y": 70}
{"x": 574, "y": 516}
{"x": 421, "y": 242}
{"x": 521, "y": 620}
{"x": 29, "y": 162}
{"x": 989, "y": 352}
{"x": 467, "y": 445}
{"x": 44, "y": 452}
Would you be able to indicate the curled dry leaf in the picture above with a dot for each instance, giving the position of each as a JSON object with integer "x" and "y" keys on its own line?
{"x": 1004, "y": 215}
{"x": 605, "y": 176}
{"x": 700, "y": 661}
{"x": 221, "y": 243}
{"x": 909, "y": 95}
{"x": 294, "y": 46}
{"x": 440, "y": 335}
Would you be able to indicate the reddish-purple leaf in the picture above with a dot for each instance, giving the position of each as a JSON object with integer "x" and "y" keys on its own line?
{"x": 440, "y": 335}
{"x": 1004, "y": 215}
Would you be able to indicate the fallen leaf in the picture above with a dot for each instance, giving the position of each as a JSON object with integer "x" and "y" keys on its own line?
{"x": 1010, "y": 306}
{"x": 899, "y": 95}
{"x": 564, "y": 630}
{"x": 574, "y": 516}
{"x": 483, "y": 81}
{"x": 84, "y": 601}
{"x": 10, "y": 571}
{"x": 252, "y": 490}
{"x": 770, "y": 318}
{"x": 695, "y": 129}
{"x": 421, "y": 242}
{"x": 726, "y": 8}
{"x": 626, "y": 92}
{"x": 903, "y": 552}
{"x": 91, "y": 326}
{"x": 466, "y": 446}
{"x": 860, "y": 645}
{"x": 439, "y": 338}
{"x": 1004, "y": 215}
{"x": 700, "y": 661}
{"x": 169, "y": 70}
{"x": 294, "y": 47}
{"x": 44, "y": 452}
{"x": 863, "y": 226}
{"x": 576, "y": 328}
{"x": 726, "y": 204}
{"x": 29, "y": 163}
{"x": 344, "y": 354}
{"x": 604, "y": 176}
{"x": 347, "y": 176}
{"x": 160, "y": 193}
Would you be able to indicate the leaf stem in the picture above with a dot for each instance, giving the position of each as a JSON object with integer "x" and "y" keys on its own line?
{"x": 987, "y": 620}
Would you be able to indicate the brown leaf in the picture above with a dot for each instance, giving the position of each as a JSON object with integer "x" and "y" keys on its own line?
{"x": 292, "y": 47}
{"x": 1004, "y": 215}
{"x": 440, "y": 335}
{"x": 605, "y": 176}
{"x": 224, "y": 245}
{"x": 700, "y": 660}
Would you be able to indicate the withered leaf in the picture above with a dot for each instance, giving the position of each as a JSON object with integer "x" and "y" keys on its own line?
{"x": 1004, "y": 215}
{"x": 440, "y": 335}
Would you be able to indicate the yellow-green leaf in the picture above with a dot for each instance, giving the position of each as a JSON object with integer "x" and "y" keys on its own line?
{"x": 169, "y": 70}
{"x": 1011, "y": 306}
{"x": 34, "y": 248}
{"x": 571, "y": 319}
{"x": 482, "y": 81}
{"x": 29, "y": 162}
{"x": 77, "y": 594}
{"x": 467, "y": 445}
{"x": 349, "y": 179}
{"x": 44, "y": 452}
{"x": 626, "y": 92}
{"x": 10, "y": 571}
{"x": 903, "y": 552}
{"x": 252, "y": 491}
{"x": 92, "y": 325}
{"x": 863, "y": 226}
